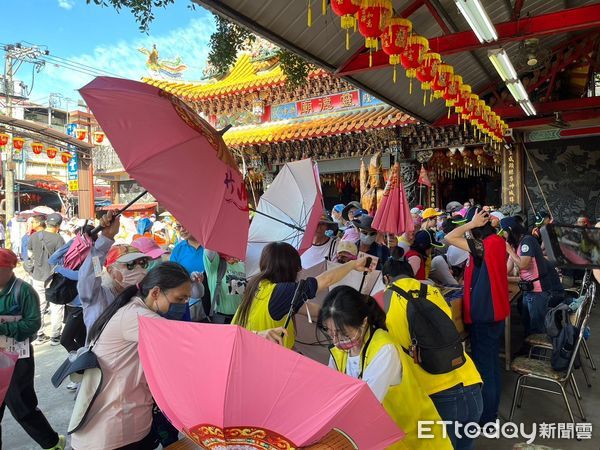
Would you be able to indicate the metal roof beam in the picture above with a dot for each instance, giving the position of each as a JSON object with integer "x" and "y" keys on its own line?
{"x": 559, "y": 22}
{"x": 516, "y": 12}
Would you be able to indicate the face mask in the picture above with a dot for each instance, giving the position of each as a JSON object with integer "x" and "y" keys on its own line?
{"x": 176, "y": 311}
{"x": 131, "y": 277}
{"x": 329, "y": 233}
{"x": 349, "y": 344}
{"x": 366, "y": 239}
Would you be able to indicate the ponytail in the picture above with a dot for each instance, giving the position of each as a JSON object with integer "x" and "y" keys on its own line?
{"x": 122, "y": 299}
{"x": 348, "y": 308}
{"x": 396, "y": 265}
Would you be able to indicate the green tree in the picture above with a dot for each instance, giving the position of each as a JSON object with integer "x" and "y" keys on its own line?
{"x": 142, "y": 10}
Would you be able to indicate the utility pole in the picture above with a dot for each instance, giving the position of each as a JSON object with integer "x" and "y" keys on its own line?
{"x": 9, "y": 175}
{"x": 14, "y": 52}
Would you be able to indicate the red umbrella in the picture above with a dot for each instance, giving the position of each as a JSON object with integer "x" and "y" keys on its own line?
{"x": 178, "y": 157}
{"x": 393, "y": 214}
{"x": 246, "y": 392}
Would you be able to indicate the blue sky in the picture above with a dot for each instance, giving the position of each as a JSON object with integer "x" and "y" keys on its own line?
{"x": 102, "y": 38}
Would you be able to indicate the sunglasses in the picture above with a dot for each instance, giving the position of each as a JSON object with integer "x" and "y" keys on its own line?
{"x": 142, "y": 262}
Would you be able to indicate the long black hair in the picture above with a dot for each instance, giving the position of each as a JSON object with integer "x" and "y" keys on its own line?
{"x": 348, "y": 308}
{"x": 279, "y": 263}
{"x": 396, "y": 265}
{"x": 516, "y": 232}
{"x": 166, "y": 275}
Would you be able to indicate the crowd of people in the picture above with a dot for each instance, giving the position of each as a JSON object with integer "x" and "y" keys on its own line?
{"x": 154, "y": 267}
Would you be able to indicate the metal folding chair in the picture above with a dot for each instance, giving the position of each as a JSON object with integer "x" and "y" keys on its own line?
{"x": 541, "y": 370}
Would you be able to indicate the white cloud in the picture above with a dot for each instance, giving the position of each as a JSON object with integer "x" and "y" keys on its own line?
{"x": 66, "y": 4}
{"x": 124, "y": 59}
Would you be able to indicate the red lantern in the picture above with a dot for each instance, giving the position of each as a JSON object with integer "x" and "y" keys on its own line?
{"x": 81, "y": 134}
{"x": 452, "y": 91}
{"x": 442, "y": 79}
{"x": 346, "y": 10}
{"x": 98, "y": 137}
{"x": 395, "y": 39}
{"x": 373, "y": 17}
{"x": 413, "y": 56}
{"x": 66, "y": 157}
{"x": 18, "y": 143}
{"x": 427, "y": 71}
{"x": 463, "y": 97}
{"x": 51, "y": 152}
{"x": 37, "y": 147}
{"x": 4, "y": 139}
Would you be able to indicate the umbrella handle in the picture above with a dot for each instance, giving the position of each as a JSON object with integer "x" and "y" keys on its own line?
{"x": 362, "y": 282}
{"x": 96, "y": 230}
{"x": 291, "y": 225}
{"x": 297, "y": 294}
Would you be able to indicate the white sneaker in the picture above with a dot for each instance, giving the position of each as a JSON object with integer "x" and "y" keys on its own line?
{"x": 72, "y": 386}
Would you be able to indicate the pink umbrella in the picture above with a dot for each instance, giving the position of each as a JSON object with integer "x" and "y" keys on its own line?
{"x": 393, "y": 215}
{"x": 247, "y": 390}
{"x": 177, "y": 156}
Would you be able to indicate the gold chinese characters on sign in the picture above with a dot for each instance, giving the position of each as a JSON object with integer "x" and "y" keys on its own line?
{"x": 512, "y": 176}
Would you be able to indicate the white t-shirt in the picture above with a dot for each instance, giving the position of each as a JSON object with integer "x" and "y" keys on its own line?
{"x": 318, "y": 253}
{"x": 384, "y": 371}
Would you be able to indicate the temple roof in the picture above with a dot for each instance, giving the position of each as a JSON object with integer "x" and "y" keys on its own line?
{"x": 325, "y": 125}
{"x": 246, "y": 75}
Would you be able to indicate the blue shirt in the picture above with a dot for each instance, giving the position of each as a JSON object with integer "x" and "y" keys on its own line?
{"x": 189, "y": 257}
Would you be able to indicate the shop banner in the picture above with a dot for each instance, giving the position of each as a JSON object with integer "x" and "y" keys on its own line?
{"x": 73, "y": 164}
{"x": 329, "y": 103}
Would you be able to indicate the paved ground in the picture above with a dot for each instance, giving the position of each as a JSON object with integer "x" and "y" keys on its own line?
{"x": 537, "y": 407}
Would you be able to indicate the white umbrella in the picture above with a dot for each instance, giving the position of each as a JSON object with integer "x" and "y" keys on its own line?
{"x": 289, "y": 211}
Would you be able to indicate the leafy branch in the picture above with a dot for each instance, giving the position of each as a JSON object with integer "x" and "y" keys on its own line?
{"x": 227, "y": 40}
{"x": 142, "y": 10}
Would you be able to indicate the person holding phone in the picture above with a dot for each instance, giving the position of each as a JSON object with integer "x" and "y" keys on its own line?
{"x": 268, "y": 296}
{"x": 486, "y": 302}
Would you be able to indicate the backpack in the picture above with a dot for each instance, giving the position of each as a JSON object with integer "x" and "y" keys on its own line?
{"x": 563, "y": 335}
{"x": 60, "y": 290}
{"x": 435, "y": 342}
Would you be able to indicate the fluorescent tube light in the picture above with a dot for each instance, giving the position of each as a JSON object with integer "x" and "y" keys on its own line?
{"x": 478, "y": 20}
{"x": 527, "y": 106}
{"x": 502, "y": 64}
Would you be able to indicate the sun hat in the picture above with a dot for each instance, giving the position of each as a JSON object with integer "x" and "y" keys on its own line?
{"x": 148, "y": 247}
{"x": 122, "y": 253}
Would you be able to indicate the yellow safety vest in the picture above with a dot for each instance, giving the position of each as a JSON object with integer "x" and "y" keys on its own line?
{"x": 259, "y": 318}
{"x": 397, "y": 325}
{"x": 406, "y": 403}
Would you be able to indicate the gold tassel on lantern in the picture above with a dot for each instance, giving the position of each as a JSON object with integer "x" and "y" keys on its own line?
{"x": 410, "y": 87}
{"x": 347, "y": 39}
{"x": 309, "y": 14}
{"x": 394, "y": 73}
{"x": 324, "y": 7}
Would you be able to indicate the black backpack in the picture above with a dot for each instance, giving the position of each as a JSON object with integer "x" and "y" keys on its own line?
{"x": 435, "y": 342}
{"x": 563, "y": 335}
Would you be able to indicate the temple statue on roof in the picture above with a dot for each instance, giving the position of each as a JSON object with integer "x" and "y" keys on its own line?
{"x": 163, "y": 69}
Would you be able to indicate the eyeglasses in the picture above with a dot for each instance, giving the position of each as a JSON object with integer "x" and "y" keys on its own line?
{"x": 142, "y": 262}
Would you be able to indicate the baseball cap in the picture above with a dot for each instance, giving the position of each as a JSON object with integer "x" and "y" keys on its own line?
{"x": 430, "y": 212}
{"x": 498, "y": 215}
{"x": 122, "y": 253}
{"x": 539, "y": 218}
{"x": 338, "y": 208}
{"x": 454, "y": 207}
{"x": 7, "y": 259}
{"x": 54, "y": 219}
{"x": 415, "y": 211}
{"x": 325, "y": 218}
{"x": 508, "y": 223}
{"x": 148, "y": 247}
{"x": 364, "y": 222}
{"x": 456, "y": 256}
{"x": 348, "y": 247}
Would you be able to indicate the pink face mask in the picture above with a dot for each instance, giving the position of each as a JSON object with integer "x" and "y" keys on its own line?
{"x": 348, "y": 344}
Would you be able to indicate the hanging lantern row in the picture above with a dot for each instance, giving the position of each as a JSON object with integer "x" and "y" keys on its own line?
{"x": 37, "y": 148}
{"x": 374, "y": 21}
{"x": 4, "y": 139}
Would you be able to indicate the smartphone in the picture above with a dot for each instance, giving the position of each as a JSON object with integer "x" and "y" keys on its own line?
{"x": 572, "y": 246}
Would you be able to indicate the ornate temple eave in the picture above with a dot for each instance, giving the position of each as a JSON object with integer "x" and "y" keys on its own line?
{"x": 355, "y": 120}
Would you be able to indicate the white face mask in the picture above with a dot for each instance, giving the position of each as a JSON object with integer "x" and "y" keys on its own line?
{"x": 366, "y": 239}
{"x": 131, "y": 277}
